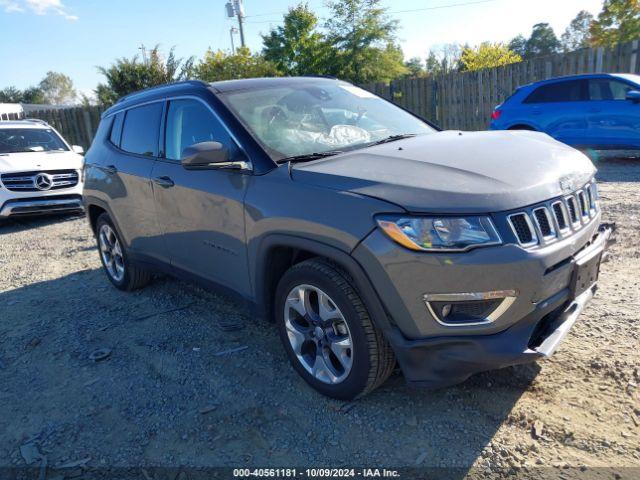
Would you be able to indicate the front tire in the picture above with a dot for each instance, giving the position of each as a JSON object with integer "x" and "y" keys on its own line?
{"x": 120, "y": 271}
{"x": 327, "y": 332}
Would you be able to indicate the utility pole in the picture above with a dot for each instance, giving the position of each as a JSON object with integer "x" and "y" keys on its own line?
{"x": 143, "y": 49}
{"x": 231, "y": 32}
{"x": 235, "y": 8}
{"x": 239, "y": 8}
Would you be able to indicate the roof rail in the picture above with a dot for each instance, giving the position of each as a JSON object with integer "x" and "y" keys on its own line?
{"x": 35, "y": 120}
{"x": 318, "y": 75}
{"x": 160, "y": 87}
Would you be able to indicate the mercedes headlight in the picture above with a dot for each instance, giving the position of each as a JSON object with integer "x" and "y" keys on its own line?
{"x": 440, "y": 234}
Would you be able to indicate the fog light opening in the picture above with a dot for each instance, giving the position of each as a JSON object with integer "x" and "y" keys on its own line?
{"x": 464, "y": 309}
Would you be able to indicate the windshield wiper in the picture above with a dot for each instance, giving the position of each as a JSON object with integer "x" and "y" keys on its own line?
{"x": 392, "y": 138}
{"x": 307, "y": 157}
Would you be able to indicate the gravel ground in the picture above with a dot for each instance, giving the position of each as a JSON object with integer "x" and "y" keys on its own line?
{"x": 192, "y": 380}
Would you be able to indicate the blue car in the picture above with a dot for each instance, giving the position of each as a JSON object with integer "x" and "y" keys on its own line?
{"x": 599, "y": 111}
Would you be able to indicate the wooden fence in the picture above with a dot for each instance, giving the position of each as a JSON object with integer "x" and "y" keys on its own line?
{"x": 77, "y": 125}
{"x": 453, "y": 101}
{"x": 465, "y": 100}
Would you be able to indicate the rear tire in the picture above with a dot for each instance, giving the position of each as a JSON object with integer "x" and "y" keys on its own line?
{"x": 123, "y": 274}
{"x": 324, "y": 291}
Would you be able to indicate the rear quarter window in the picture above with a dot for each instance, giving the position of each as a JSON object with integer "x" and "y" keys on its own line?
{"x": 140, "y": 130}
{"x": 569, "y": 91}
{"x": 116, "y": 130}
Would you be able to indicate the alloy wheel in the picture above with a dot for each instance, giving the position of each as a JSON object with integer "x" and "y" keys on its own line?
{"x": 111, "y": 252}
{"x": 318, "y": 334}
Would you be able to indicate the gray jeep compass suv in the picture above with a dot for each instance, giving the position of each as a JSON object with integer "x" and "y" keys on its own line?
{"x": 367, "y": 235}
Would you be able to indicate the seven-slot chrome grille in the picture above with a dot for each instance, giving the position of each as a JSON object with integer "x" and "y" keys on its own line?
{"x": 33, "y": 182}
{"x": 558, "y": 218}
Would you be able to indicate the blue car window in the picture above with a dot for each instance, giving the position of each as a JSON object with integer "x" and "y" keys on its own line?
{"x": 569, "y": 91}
{"x": 607, "y": 89}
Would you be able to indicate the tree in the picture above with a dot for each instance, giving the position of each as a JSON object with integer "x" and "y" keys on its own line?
{"x": 518, "y": 45}
{"x": 415, "y": 67}
{"x": 87, "y": 101}
{"x": 487, "y": 55}
{"x": 15, "y": 95}
{"x": 129, "y": 75}
{"x": 296, "y": 48}
{"x": 619, "y": 21}
{"x": 364, "y": 43}
{"x": 577, "y": 34}
{"x": 444, "y": 59}
{"x": 543, "y": 41}
{"x": 33, "y": 95}
{"x": 432, "y": 64}
{"x": 219, "y": 65}
{"x": 57, "y": 89}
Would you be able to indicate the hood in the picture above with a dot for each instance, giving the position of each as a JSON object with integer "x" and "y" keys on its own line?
{"x": 32, "y": 161}
{"x": 456, "y": 172}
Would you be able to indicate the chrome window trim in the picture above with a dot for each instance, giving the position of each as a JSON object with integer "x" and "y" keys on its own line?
{"x": 168, "y": 98}
{"x": 508, "y": 298}
{"x": 141, "y": 104}
{"x": 534, "y": 234}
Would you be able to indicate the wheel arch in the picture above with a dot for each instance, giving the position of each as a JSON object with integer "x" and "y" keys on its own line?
{"x": 93, "y": 212}
{"x": 95, "y": 207}
{"x": 278, "y": 252}
{"x": 523, "y": 126}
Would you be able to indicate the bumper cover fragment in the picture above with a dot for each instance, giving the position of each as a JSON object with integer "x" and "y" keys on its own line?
{"x": 443, "y": 361}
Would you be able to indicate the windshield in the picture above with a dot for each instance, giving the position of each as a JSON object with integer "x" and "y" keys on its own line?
{"x": 301, "y": 119}
{"x": 14, "y": 140}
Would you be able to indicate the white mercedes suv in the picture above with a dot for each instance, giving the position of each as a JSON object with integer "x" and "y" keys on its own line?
{"x": 39, "y": 171}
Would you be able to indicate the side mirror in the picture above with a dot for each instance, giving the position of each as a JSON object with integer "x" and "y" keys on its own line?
{"x": 77, "y": 149}
{"x": 204, "y": 155}
{"x": 633, "y": 95}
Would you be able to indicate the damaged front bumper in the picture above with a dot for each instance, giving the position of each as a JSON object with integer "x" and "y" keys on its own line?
{"x": 447, "y": 360}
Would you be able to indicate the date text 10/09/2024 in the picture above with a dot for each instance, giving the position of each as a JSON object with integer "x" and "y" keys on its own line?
{"x": 315, "y": 473}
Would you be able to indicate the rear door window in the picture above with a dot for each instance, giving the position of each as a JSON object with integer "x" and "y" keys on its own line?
{"x": 141, "y": 128}
{"x": 569, "y": 91}
{"x": 608, "y": 89}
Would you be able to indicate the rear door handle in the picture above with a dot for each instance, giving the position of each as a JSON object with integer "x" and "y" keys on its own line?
{"x": 164, "y": 182}
{"x": 110, "y": 169}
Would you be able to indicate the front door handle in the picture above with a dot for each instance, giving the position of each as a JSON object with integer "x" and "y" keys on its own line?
{"x": 164, "y": 182}
{"x": 110, "y": 169}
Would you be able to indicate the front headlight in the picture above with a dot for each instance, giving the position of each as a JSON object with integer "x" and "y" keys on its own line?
{"x": 440, "y": 234}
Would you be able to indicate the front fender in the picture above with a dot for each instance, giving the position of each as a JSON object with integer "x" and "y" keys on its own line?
{"x": 261, "y": 255}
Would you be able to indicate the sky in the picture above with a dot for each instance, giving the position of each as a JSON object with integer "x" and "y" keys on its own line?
{"x": 76, "y": 36}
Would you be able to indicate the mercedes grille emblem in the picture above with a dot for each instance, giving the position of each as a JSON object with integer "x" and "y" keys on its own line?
{"x": 43, "y": 181}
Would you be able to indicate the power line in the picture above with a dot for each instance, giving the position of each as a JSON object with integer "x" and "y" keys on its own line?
{"x": 437, "y": 7}
{"x": 266, "y": 14}
{"x": 444, "y": 6}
